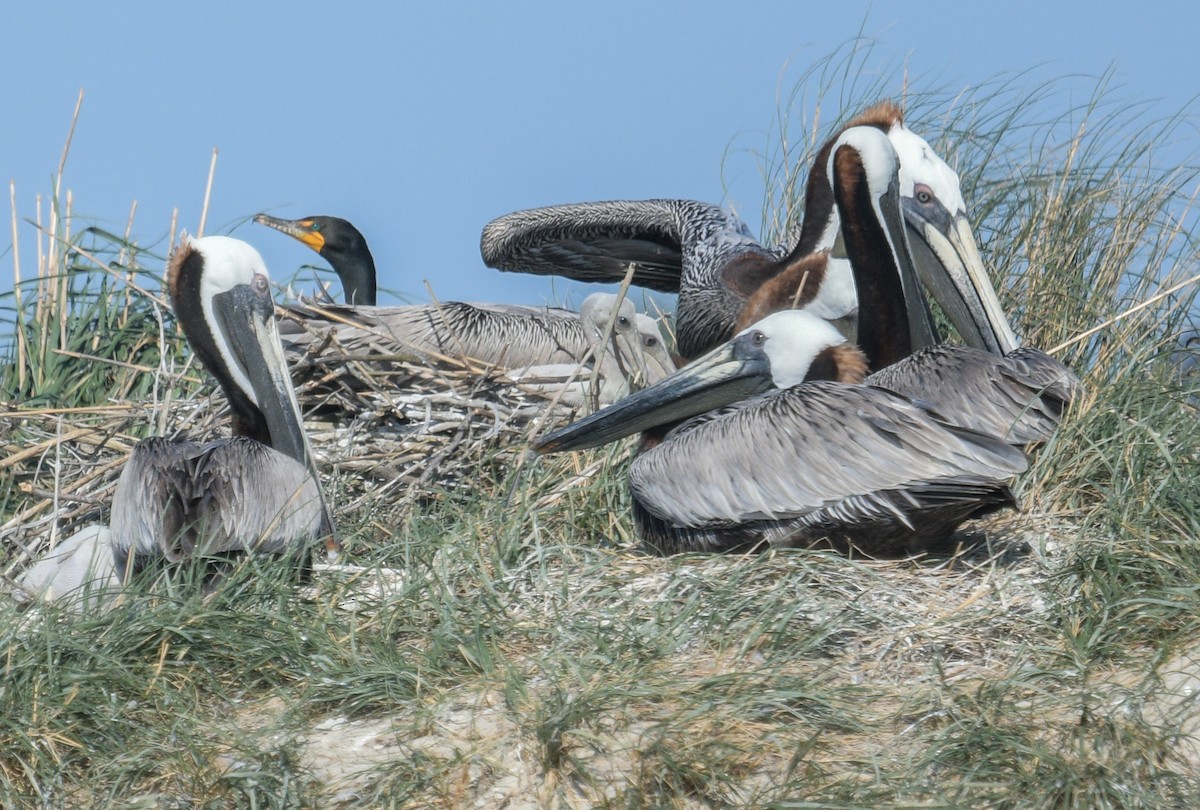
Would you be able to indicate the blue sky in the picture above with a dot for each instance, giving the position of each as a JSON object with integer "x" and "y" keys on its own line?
{"x": 420, "y": 122}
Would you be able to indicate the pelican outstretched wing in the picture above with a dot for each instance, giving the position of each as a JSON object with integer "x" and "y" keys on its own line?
{"x": 665, "y": 240}
{"x": 592, "y": 241}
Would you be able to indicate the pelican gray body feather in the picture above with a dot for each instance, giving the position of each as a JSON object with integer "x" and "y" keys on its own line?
{"x": 1019, "y": 397}
{"x": 854, "y": 467}
{"x": 502, "y": 335}
{"x": 180, "y": 499}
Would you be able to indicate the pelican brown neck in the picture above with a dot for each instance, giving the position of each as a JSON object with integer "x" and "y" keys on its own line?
{"x": 883, "y": 329}
{"x": 894, "y": 319}
{"x": 820, "y": 225}
{"x": 821, "y": 222}
{"x": 185, "y": 273}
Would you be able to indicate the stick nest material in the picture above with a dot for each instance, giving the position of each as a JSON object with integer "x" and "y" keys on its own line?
{"x": 381, "y": 424}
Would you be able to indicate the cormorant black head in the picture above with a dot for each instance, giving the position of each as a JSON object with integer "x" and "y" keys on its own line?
{"x": 340, "y": 244}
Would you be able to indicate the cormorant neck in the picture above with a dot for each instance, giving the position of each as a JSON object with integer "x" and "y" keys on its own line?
{"x": 357, "y": 273}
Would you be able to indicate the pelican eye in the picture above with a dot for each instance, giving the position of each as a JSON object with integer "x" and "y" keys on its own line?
{"x": 651, "y": 341}
{"x": 622, "y": 321}
{"x": 923, "y": 194}
{"x": 757, "y": 338}
{"x": 260, "y": 284}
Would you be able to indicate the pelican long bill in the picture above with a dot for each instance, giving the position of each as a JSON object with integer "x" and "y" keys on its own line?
{"x": 947, "y": 260}
{"x": 730, "y": 373}
{"x": 246, "y": 320}
{"x": 245, "y": 316}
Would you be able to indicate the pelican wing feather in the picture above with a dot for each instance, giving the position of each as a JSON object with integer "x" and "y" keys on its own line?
{"x": 1019, "y": 397}
{"x": 509, "y": 336}
{"x": 823, "y": 452}
{"x": 233, "y": 494}
{"x": 592, "y": 241}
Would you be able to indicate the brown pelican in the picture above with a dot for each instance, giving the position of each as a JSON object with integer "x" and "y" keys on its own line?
{"x": 340, "y": 244}
{"x": 256, "y": 491}
{"x": 827, "y": 459}
{"x": 709, "y": 257}
{"x": 936, "y": 215}
{"x": 504, "y": 336}
{"x": 850, "y": 466}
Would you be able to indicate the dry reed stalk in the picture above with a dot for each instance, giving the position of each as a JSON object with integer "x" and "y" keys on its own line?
{"x": 608, "y": 332}
{"x": 172, "y": 229}
{"x": 16, "y": 248}
{"x": 62, "y": 161}
{"x": 44, "y": 281}
{"x": 107, "y": 361}
{"x": 41, "y": 251}
{"x": 59, "y": 303}
{"x": 1125, "y": 314}
{"x": 127, "y": 257}
{"x": 39, "y": 448}
{"x": 212, "y": 170}
{"x": 63, "y": 300}
{"x": 88, "y": 409}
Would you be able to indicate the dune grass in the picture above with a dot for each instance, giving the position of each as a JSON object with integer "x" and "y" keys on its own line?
{"x": 508, "y": 643}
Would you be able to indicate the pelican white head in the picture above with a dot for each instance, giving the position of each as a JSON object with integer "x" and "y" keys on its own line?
{"x": 791, "y": 340}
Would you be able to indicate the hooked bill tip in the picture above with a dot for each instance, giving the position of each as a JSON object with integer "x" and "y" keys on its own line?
{"x": 541, "y": 446}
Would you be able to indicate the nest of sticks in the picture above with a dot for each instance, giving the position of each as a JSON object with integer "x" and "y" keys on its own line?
{"x": 407, "y": 427}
